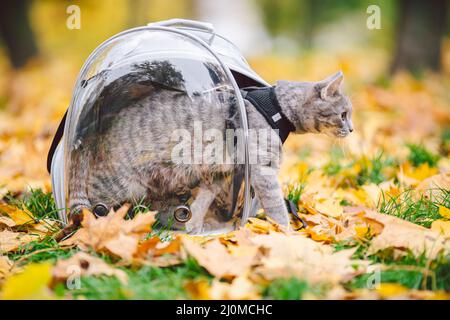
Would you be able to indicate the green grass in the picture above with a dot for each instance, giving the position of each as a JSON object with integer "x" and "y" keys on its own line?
{"x": 409, "y": 270}
{"x": 411, "y": 275}
{"x": 46, "y": 249}
{"x": 372, "y": 169}
{"x": 334, "y": 166}
{"x": 295, "y": 192}
{"x": 286, "y": 289}
{"x": 144, "y": 283}
{"x": 418, "y": 155}
{"x": 39, "y": 203}
{"x": 422, "y": 211}
{"x": 169, "y": 283}
{"x": 445, "y": 142}
{"x": 407, "y": 278}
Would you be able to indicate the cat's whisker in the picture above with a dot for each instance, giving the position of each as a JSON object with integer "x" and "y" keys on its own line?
{"x": 343, "y": 149}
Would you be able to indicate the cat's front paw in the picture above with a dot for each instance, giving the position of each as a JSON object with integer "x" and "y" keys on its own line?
{"x": 194, "y": 227}
{"x": 280, "y": 215}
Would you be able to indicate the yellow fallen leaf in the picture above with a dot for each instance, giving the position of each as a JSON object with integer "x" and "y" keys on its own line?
{"x": 330, "y": 207}
{"x": 413, "y": 176}
{"x": 198, "y": 289}
{"x": 389, "y": 290}
{"x": 444, "y": 212}
{"x": 31, "y": 283}
{"x": 261, "y": 226}
{"x": 241, "y": 288}
{"x": 361, "y": 231}
{"x": 442, "y": 227}
{"x": 17, "y": 215}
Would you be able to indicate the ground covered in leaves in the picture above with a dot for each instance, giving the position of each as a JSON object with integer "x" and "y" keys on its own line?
{"x": 377, "y": 204}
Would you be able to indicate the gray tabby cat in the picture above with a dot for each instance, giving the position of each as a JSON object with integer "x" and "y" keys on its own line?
{"x": 131, "y": 160}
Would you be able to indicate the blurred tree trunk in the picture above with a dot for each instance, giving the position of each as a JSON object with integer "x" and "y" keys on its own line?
{"x": 419, "y": 35}
{"x": 16, "y": 33}
{"x": 312, "y": 9}
{"x": 138, "y": 12}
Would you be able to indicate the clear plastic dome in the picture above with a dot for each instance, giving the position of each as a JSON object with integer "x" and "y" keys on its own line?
{"x": 157, "y": 120}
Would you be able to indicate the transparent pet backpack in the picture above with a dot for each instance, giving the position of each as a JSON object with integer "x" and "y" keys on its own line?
{"x": 146, "y": 78}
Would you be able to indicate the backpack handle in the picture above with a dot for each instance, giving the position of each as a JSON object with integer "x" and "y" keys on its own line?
{"x": 184, "y": 23}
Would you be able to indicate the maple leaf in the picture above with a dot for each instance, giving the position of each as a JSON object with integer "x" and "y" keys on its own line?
{"x": 158, "y": 253}
{"x": 298, "y": 256}
{"x": 112, "y": 234}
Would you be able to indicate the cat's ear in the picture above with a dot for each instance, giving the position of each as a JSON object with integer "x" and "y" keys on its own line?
{"x": 330, "y": 86}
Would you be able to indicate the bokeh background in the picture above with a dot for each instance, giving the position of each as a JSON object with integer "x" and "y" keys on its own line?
{"x": 398, "y": 76}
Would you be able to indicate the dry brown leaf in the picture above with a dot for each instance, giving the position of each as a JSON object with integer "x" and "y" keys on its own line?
{"x": 10, "y": 241}
{"x": 7, "y": 221}
{"x": 353, "y": 224}
{"x": 433, "y": 186}
{"x": 219, "y": 261}
{"x": 122, "y": 245}
{"x": 5, "y": 266}
{"x": 296, "y": 255}
{"x": 112, "y": 233}
{"x": 83, "y": 264}
{"x": 158, "y": 253}
{"x": 401, "y": 234}
{"x": 240, "y": 236}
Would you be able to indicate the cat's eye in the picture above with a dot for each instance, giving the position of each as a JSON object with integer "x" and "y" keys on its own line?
{"x": 343, "y": 116}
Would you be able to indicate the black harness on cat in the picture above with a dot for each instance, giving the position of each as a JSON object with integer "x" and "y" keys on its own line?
{"x": 265, "y": 101}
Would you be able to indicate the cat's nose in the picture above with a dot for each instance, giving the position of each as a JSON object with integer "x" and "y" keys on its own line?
{"x": 351, "y": 129}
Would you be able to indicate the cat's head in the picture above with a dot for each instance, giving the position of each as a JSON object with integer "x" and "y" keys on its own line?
{"x": 318, "y": 107}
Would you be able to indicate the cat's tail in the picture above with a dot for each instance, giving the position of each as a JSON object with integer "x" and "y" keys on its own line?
{"x": 78, "y": 177}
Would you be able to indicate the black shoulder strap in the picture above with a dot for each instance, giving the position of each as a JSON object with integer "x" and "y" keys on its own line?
{"x": 56, "y": 139}
{"x": 266, "y": 103}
